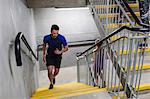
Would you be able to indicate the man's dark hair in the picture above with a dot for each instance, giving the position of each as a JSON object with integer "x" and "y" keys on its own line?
{"x": 54, "y": 27}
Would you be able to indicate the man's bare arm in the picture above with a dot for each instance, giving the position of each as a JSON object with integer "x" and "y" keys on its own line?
{"x": 44, "y": 52}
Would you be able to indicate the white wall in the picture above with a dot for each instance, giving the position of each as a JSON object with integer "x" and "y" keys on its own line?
{"x": 16, "y": 82}
{"x": 76, "y": 24}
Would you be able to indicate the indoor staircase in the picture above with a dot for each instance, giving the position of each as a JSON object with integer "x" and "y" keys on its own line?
{"x": 108, "y": 15}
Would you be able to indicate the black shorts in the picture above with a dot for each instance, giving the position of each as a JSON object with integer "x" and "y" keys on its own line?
{"x": 55, "y": 61}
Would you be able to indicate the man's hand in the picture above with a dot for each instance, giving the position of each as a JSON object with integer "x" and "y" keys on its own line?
{"x": 57, "y": 51}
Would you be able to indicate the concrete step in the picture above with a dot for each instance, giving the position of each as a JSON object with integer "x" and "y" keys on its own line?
{"x": 65, "y": 90}
{"x": 117, "y": 25}
{"x": 113, "y": 15}
{"x": 98, "y": 95}
{"x": 132, "y": 5}
{"x": 144, "y": 95}
{"x": 115, "y": 37}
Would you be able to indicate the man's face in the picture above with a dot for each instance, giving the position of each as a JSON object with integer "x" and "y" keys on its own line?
{"x": 55, "y": 33}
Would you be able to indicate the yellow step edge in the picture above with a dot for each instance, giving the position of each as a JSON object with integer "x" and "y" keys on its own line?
{"x": 58, "y": 96}
{"x": 121, "y": 96}
{"x": 81, "y": 89}
{"x": 88, "y": 92}
{"x": 80, "y": 85}
{"x": 125, "y": 52}
{"x": 61, "y": 88}
{"x": 52, "y": 92}
{"x": 77, "y": 94}
{"x": 134, "y": 5}
{"x": 64, "y": 93}
{"x": 105, "y": 6}
{"x": 113, "y": 25}
{"x": 141, "y": 88}
{"x": 113, "y": 38}
{"x": 113, "y": 15}
{"x": 145, "y": 67}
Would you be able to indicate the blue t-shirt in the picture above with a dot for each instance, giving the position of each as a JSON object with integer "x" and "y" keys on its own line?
{"x": 54, "y": 43}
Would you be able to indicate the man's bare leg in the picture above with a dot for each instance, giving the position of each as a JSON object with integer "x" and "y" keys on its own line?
{"x": 56, "y": 71}
{"x": 51, "y": 75}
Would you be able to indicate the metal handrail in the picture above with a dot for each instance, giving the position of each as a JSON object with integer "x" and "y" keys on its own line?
{"x": 123, "y": 10}
{"x": 139, "y": 22}
{"x": 18, "y": 48}
{"x": 122, "y": 37}
{"x": 112, "y": 34}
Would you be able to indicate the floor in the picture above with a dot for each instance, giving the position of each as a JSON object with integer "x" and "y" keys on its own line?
{"x": 66, "y": 75}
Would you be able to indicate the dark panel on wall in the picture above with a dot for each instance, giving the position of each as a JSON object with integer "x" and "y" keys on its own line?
{"x": 56, "y": 3}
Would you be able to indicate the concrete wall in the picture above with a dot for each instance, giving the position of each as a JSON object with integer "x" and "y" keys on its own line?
{"x": 16, "y": 82}
{"x": 76, "y": 24}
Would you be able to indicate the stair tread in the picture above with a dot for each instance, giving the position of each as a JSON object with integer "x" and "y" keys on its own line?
{"x": 132, "y": 5}
{"x": 98, "y": 95}
{"x": 65, "y": 90}
{"x": 115, "y": 25}
{"x": 111, "y": 15}
{"x": 62, "y": 90}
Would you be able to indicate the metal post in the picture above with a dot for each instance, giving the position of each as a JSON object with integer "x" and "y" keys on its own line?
{"x": 78, "y": 72}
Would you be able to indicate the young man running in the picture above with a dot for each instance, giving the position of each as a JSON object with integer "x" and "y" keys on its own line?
{"x": 57, "y": 45}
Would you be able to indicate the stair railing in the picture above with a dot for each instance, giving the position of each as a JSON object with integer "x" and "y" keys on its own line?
{"x": 110, "y": 15}
{"x": 19, "y": 37}
{"x": 113, "y": 64}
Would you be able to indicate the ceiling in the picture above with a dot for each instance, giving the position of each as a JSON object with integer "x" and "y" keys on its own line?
{"x": 56, "y": 3}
